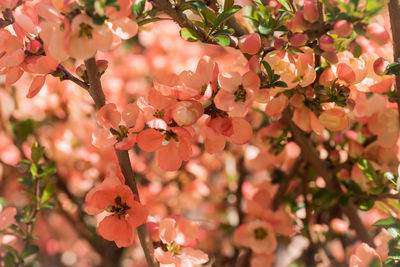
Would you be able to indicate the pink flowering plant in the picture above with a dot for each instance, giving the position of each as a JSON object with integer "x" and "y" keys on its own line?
{"x": 199, "y": 133}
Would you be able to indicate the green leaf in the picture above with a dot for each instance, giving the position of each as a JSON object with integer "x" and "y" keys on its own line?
{"x": 222, "y": 40}
{"x": 48, "y": 172}
{"x": 285, "y": 4}
{"x": 3, "y": 201}
{"x": 25, "y": 181}
{"x": 357, "y": 51}
{"x": 264, "y": 29}
{"x": 138, "y": 7}
{"x": 366, "y": 204}
{"x": 368, "y": 170}
{"x": 9, "y": 260}
{"x": 279, "y": 84}
{"x": 224, "y": 16}
{"x": 189, "y": 35}
{"x": 394, "y": 231}
{"x": 36, "y": 153}
{"x": 150, "y": 20}
{"x": 385, "y": 222}
{"x": 33, "y": 169}
{"x": 11, "y": 250}
{"x": 48, "y": 191}
{"x": 32, "y": 249}
{"x": 269, "y": 70}
{"x": 393, "y": 68}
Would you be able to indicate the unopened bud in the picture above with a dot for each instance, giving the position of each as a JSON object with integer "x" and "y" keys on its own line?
{"x": 298, "y": 39}
{"x": 380, "y": 66}
{"x": 343, "y": 28}
{"x": 327, "y": 43}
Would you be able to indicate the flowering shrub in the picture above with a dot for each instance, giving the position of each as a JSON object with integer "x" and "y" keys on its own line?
{"x": 199, "y": 133}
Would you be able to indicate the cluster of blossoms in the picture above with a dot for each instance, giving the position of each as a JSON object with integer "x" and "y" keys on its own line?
{"x": 227, "y": 134}
{"x": 37, "y": 36}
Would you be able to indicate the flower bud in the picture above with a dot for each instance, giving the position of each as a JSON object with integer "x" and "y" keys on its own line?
{"x": 80, "y": 70}
{"x": 279, "y": 43}
{"x": 380, "y": 66}
{"x": 339, "y": 226}
{"x": 331, "y": 57}
{"x": 343, "y": 28}
{"x": 298, "y": 39}
{"x": 310, "y": 11}
{"x": 334, "y": 156}
{"x": 102, "y": 65}
{"x": 327, "y": 43}
{"x": 33, "y": 46}
{"x": 250, "y": 44}
{"x": 377, "y": 33}
{"x": 355, "y": 149}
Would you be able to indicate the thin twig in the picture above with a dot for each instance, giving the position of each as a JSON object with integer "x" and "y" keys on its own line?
{"x": 96, "y": 92}
{"x": 66, "y": 75}
{"x": 394, "y": 11}
{"x": 322, "y": 168}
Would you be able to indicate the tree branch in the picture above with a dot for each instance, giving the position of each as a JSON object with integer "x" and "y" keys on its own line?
{"x": 66, "y": 75}
{"x": 394, "y": 12}
{"x": 322, "y": 168}
{"x": 96, "y": 92}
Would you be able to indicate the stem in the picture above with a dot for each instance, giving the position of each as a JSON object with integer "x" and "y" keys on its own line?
{"x": 66, "y": 75}
{"x": 394, "y": 11}
{"x": 96, "y": 92}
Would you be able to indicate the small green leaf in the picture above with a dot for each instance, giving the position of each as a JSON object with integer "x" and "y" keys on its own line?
{"x": 48, "y": 191}
{"x": 368, "y": 170}
{"x": 36, "y": 153}
{"x": 9, "y": 260}
{"x": 138, "y": 7}
{"x": 285, "y": 4}
{"x": 150, "y": 20}
{"x": 367, "y": 204}
{"x": 279, "y": 84}
{"x": 30, "y": 251}
{"x": 385, "y": 222}
{"x": 189, "y": 35}
{"x": 264, "y": 29}
{"x": 11, "y": 250}
{"x": 48, "y": 172}
{"x": 33, "y": 169}
{"x": 269, "y": 70}
{"x": 222, "y": 40}
{"x": 25, "y": 181}
{"x": 224, "y": 16}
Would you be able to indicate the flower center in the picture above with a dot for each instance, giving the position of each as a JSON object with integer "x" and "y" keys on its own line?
{"x": 119, "y": 208}
{"x": 260, "y": 233}
{"x": 159, "y": 114}
{"x": 85, "y": 30}
{"x": 240, "y": 94}
{"x": 170, "y": 134}
{"x": 174, "y": 248}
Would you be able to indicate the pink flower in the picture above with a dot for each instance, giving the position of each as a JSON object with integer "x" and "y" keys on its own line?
{"x": 124, "y": 134}
{"x": 363, "y": 256}
{"x": 385, "y": 124}
{"x": 335, "y": 119}
{"x": 257, "y": 235}
{"x": 237, "y": 92}
{"x": 172, "y": 145}
{"x": 250, "y": 44}
{"x": 220, "y": 129}
{"x": 178, "y": 236}
{"x": 124, "y": 213}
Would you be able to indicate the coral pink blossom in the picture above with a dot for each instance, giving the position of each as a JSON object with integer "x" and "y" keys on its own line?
{"x": 124, "y": 213}
{"x": 220, "y": 129}
{"x": 178, "y": 236}
{"x": 118, "y": 128}
{"x": 385, "y": 124}
{"x": 237, "y": 92}
{"x": 257, "y": 235}
{"x": 364, "y": 256}
{"x": 172, "y": 145}
{"x": 334, "y": 119}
